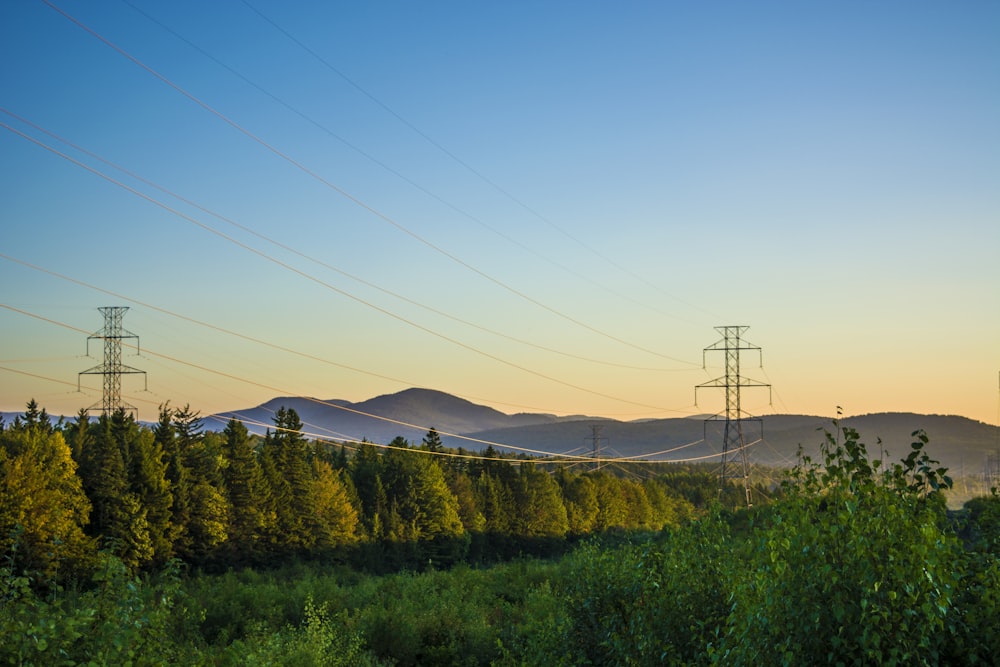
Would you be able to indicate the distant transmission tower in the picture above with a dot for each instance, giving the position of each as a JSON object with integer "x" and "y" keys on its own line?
{"x": 595, "y": 438}
{"x": 112, "y": 369}
{"x": 734, "y": 448}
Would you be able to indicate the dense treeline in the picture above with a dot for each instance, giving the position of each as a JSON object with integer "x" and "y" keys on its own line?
{"x": 175, "y": 491}
{"x": 856, "y": 562}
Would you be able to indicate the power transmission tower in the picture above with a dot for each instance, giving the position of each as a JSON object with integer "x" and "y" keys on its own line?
{"x": 733, "y": 443}
{"x": 595, "y": 438}
{"x": 112, "y": 368}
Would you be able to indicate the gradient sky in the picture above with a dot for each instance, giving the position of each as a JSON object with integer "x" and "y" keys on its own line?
{"x": 538, "y": 206}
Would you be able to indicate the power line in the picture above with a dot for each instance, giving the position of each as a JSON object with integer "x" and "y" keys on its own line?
{"x": 321, "y": 282}
{"x": 479, "y": 441}
{"x": 463, "y": 163}
{"x": 371, "y": 209}
{"x": 230, "y": 332}
{"x": 323, "y": 128}
{"x": 285, "y": 392}
{"x": 327, "y": 265}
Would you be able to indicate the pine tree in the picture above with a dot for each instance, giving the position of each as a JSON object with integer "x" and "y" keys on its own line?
{"x": 639, "y": 509}
{"x": 495, "y": 501}
{"x": 580, "y": 497}
{"x": 462, "y": 488}
{"x": 289, "y": 475}
{"x": 366, "y": 470}
{"x": 540, "y": 511}
{"x": 336, "y": 516}
{"x": 165, "y": 437}
{"x": 43, "y": 507}
{"x": 147, "y": 480}
{"x": 118, "y": 516}
{"x": 613, "y": 505}
{"x": 246, "y": 490}
{"x": 432, "y": 441}
{"x": 78, "y": 435}
{"x": 201, "y": 456}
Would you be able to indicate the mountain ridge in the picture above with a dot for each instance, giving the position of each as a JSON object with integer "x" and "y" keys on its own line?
{"x": 959, "y": 443}
{"x": 954, "y": 440}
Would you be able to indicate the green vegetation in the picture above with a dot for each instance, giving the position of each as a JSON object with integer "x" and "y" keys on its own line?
{"x": 125, "y": 545}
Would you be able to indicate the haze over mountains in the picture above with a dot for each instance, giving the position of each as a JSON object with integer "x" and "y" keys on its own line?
{"x": 958, "y": 442}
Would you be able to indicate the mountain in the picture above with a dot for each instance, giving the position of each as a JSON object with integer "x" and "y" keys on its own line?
{"x": 409, "y": 413}
{"x": 957, "y": 442}
{"x": 960, "y": 444}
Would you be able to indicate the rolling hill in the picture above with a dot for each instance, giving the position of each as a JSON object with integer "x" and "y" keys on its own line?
{"x": 958, "y": 442}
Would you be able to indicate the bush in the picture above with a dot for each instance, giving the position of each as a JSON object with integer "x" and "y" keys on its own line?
{"x": 855, "y": 567}
{"x": 648, "y": 604}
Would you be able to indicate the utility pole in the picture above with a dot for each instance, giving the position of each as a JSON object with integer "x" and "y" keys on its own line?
{"x": 112, "y": 368}
{"x": 733, "y": 443}
{"x": 595, "y": 438}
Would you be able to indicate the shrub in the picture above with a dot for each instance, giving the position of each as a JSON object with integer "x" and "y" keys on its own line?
{"x": 855, "y": 567}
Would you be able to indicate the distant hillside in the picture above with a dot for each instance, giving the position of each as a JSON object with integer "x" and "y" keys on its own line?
{"x": 424, "y": 408}
{"x": 957, "y": 442}
{"x": 960, "y": 444}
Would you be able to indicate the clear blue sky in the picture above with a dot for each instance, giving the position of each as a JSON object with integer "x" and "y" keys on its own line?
{"x": 536, "y": 206}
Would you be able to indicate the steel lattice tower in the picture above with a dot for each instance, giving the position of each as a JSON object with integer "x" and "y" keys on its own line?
{"x": 596, "y": 438}
{"x": 733, "y": 443}
{"x": 112, "y": 368}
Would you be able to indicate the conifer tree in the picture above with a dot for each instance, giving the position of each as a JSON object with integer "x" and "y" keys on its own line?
{"x": 43, "y": 507}
{"x": 165, "y": 437}
{"x": 580, "y": 498}
{"x": 462, "y": 488}
{"x": 146, "y": 472}
{"x": 426, "y": 506}
{"x": 77, "y": 435}
{"x": 245, "y": 488}
{"x": 611, "y": 499}
{"x": 289, "y": 475}
{"x": 366, "y": 473}
{"x": 432, "y": 441}
{"x": 495, "y": 501}
{"x": 639, "y": 510}
{"x": 118, "y": 516}
{"x": 540, "y": 511}
{"x": 336, "y": 516}
{"x": 201, "y": 456}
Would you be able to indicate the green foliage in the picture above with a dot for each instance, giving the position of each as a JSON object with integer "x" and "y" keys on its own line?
{"x": 43, "y": 508}
{"x": 659, "y": 602}
{"x": 539, "y": 509}
{"x": 120, "y": 621}
{"x": 855, "y": 562}
{"x": 34, "y": 630}
{"x": 852, "y": 568}
{"x": 246, "y": 492}
{"x": 336, "y": 517}
{"x": 980, "y": 527}
{"x": 323, "y": 640}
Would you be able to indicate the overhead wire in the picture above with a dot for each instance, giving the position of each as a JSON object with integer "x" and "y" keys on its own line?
{"x": 76, "y": 388}
{"x": 285, "y": 392}
{"x": 357, "y": 201}
{"x": 236, "y": 334}
{"x": 320, "y": 282}
{"x": 325, "y": 264}
{"x": 507, "y": 194}
{"x": 479, "y": 441}
{"x": 326, "y": 130}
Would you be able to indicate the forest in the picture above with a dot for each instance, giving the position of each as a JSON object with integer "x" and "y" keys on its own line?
{"x": 170, "y": 544}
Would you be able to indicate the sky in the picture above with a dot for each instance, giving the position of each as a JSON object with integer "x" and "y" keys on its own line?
{"x": 536, "y": 206}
